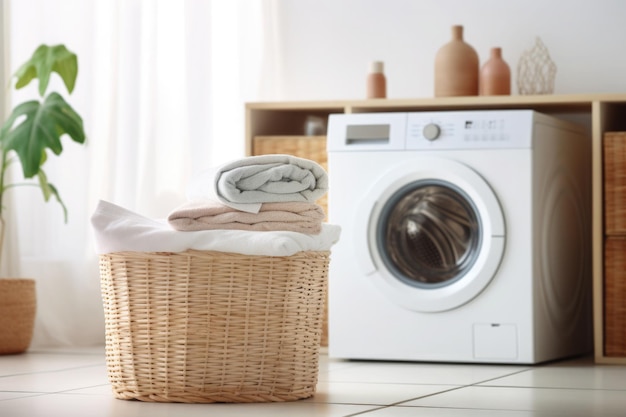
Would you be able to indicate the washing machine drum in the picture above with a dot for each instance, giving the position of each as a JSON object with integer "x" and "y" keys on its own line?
{"x": 428, "y": 233}
{"x": 435, "y": 234}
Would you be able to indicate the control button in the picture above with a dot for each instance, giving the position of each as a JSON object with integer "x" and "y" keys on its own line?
{"x": 431, "y": 131}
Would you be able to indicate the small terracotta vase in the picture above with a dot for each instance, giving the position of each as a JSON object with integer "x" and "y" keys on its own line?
{"x": 495, "y": 75}
{"x": 376, "y": 81}
{"x": 456, "y": 67}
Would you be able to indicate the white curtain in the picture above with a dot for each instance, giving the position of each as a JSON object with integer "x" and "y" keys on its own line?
{"x": 161, "y": 88}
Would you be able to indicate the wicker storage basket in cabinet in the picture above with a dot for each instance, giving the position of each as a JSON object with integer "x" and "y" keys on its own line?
{"x": 615, "y": 296}
{"x": 201, "y": 326}
{"x": 614, "y": 314}
{"x": 615, "y": 183}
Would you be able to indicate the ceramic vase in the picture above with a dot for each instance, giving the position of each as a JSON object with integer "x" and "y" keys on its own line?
{"x": 495, "y": 75}
{"x": 456, "y": 67}
{"x": 376, "y": 82}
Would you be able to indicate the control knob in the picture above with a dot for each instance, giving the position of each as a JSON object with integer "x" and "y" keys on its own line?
{"x": 431, "y": 131}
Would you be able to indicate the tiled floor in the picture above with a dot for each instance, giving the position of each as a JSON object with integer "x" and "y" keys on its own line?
{"x": 74, "y": 383}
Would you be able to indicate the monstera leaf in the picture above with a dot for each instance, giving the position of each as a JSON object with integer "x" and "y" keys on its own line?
{"x": 45, "y": 60}
{"x": 40, "y": 126}
{"x": 50, "y": 190}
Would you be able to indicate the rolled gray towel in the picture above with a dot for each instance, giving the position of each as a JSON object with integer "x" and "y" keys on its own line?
{"x": 246, "y": 183}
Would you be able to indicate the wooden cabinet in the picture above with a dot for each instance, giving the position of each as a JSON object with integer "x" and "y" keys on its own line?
{"x": 600, "y": 113}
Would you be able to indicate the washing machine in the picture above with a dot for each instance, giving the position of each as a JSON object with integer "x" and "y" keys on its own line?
{"x": 465, "y": 237}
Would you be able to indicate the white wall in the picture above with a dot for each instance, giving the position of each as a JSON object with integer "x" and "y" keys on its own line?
{"x": 326, "y": 45}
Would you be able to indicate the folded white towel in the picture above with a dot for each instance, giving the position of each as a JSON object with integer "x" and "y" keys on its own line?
{"x": 246, "y": 183}
{"x": 117, "y": 229}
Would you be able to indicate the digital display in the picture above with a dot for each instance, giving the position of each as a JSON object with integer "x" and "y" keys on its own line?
{"x": 368, "y": 134}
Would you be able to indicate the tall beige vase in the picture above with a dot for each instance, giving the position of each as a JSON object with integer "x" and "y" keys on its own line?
{"x": 495, "y": 75}
{"x": 456, "y": 67}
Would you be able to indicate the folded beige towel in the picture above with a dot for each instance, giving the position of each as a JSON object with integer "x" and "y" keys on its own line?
{"x": 296, "y": 216}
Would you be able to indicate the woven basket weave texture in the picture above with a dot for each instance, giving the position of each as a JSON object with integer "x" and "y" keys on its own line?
{"x": 615, "y": 297}
{"x": 614, "y": 163}
{"x": 203, "y": 327}
{"x": 18, "y": 307}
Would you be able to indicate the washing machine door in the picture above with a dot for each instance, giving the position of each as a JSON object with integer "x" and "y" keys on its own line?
{"x": 433, "y": 234}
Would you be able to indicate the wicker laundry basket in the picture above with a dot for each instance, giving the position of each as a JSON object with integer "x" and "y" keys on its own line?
{"x": 202, "y": 326}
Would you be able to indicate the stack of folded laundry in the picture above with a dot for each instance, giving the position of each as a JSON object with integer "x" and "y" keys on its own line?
{"x": 227, "y": 208}
{"x": 259, "y": 193}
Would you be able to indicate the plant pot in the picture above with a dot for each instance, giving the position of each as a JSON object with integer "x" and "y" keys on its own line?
{"x": 17, "y": 314}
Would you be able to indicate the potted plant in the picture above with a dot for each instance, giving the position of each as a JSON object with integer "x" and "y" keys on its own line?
{"x": 31, "y": 130}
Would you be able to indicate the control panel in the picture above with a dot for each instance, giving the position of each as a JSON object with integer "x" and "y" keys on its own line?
{"x": 490, "y": 129}
{"x": 469, "y": 130}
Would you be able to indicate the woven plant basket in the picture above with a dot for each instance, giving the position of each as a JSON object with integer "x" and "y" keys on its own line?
{"x": 203, "y": 327}
{"x": 18, "y": 306}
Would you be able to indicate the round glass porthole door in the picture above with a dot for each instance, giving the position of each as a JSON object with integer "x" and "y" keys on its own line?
{"x": 435, "y": 234}
{"x": 429, "y": 234}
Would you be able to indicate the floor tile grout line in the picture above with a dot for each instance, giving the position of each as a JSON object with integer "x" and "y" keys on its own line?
{"x": 69, "y": 391}
{"x": 521, "y": 387}
{"x": 40, "y": 393}
{"x": 453, "y": 388}
{"x": 499, "y": 377}
{"x": 426, "y": 407}
{"x": 421, "y": 384}
{"x": 28, "y": 394}
{"x": 543, "y": 365}
{"x": 64, "y": 353}
{"x": 427, "y": 395}
{"x": 426, "y": 383}
{"x": 360, "y": 413}
{"x": 52, "y": 370}
{"x": 397, "y": 403}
